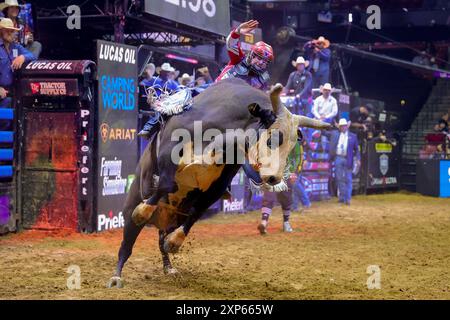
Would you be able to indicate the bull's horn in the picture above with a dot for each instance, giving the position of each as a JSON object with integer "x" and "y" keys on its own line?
{"x": 311, "y": 123}
{"x": 275, "y": 98}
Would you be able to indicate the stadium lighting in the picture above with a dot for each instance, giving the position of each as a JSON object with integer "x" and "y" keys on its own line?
{"x": 175, "y": 57}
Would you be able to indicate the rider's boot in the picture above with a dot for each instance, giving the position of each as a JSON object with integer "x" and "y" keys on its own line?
{"x": 150, "y": 128}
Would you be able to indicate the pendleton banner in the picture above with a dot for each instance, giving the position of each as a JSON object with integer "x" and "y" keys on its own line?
{"x": 383, "y": 160}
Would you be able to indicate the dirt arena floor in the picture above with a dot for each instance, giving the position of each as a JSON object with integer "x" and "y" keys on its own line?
{"x": 406, "y": 235}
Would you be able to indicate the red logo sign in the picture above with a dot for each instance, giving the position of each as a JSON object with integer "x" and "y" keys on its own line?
{"x": 35, "y": 87}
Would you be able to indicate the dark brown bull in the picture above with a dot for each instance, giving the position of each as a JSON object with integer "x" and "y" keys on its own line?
{"x": 187, "y": 188}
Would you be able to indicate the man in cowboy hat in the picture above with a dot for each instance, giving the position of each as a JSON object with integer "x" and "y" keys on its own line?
{"x": 344, "y": 149}
{"x": 164, "y": 82}
{"x": 161, "y": 84}
{"x": 325, "y": 106}
{"x": 300, "y": 82}
{"x": 319, "y": 54}
{"x": 174, "y": 75}
{"x": 148, "y": 74}
{"x": 185, "y": 80}
{"x": 12, "y": 57}
{"x": 11, "y": 9}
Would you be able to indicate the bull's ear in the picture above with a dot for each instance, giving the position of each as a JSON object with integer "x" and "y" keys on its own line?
{"x": 267, "y": 117}
{"x": 254, "y": 109}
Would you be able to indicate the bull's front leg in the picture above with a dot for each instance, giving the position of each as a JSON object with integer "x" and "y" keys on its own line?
{"x": 174, "y": 240}
{"x": 200, "y": 204}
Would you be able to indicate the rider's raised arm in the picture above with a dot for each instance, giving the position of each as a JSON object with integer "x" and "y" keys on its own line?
{"x": 234, "y": 47}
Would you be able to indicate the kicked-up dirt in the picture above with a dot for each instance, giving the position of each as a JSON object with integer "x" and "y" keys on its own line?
{"x": 406, "y": 236}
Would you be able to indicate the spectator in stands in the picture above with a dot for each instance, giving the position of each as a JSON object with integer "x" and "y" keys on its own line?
{"x": 12, "y": 57}
{"x": 200, "y": 81}
{"x": 319, "y": 54}
{"x": 163, "y": 83}
{"x": 343, "y": 149}
{"x": 174, "y": 75}
{"x": 300, "y": 83}
{"x": 433, "y": 63}
{"x": 361, "y": 122}
{"x": 422, "y": 59}
{"x": 359, "y": 117}
{"x": 186, "y": 81}
{"x": 204, "y": 72}
{"x": 440, "y": 152}
{"x": 11, "y": 10}
{"x": 200, "y": 85}
{"x": 443, "y": 123}
{"x": 149, "y": 72}
{"x": 441, "y": 126}
{"x": 325, "y": 106}
{"x": 427, "y": 151}
{"x": 446, "y": 116}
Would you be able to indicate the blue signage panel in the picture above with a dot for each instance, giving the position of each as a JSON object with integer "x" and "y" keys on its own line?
{"x": 117, "y": 122}
{"x": 444, "y": 178}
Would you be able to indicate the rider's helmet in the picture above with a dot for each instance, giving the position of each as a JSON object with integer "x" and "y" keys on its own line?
{"x": 261, "y": 50}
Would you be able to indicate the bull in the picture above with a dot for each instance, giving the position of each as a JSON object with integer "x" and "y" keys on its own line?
{"x": 187, "y": 187}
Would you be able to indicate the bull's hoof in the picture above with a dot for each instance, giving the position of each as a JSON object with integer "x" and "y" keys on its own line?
{"x": 170, "y": 271}
{"x": 174, "y": 240}
{"x": 142, "y": 213}
{"x": 115, "y": 282}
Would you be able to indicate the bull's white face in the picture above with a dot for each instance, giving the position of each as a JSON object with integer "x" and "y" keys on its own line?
{"x": 269, "y": 155}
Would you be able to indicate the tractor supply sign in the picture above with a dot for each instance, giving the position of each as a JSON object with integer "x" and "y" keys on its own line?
{"x": 117, "y": 121}
{"x": 209, "y": 15}
{"x": 44, "y": 87}
{"x": 49, "y": 88}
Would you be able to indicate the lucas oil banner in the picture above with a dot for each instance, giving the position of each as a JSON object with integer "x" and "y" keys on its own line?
{"x": 117, "y": 121}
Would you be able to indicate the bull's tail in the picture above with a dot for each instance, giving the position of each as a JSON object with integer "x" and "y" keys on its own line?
{"x": 148, "y": 173}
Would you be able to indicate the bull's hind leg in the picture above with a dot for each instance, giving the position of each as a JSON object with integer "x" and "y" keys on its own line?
{"x": 130, "y": 233}
{"x": 167, "y": 265}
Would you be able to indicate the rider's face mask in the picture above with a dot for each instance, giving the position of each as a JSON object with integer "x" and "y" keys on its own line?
{"x": 257, "y": 63}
